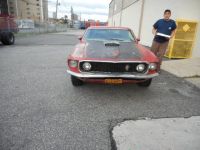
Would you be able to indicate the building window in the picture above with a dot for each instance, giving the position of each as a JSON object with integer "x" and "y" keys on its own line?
{"x": 27, "y": 3}
{"x": 28, "y": 8}
{"x": 38, "y": 4}
{"x": 28, "y": 13}
{"x": 38, "y": 14}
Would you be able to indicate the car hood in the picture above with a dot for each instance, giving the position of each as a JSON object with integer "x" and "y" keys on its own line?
{"x": 107, "y": 50}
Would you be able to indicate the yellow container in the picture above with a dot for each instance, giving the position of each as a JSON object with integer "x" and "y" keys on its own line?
{"x": 182, "y": 43}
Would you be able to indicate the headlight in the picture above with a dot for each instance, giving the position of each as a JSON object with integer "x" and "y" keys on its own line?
{"x": 87, "y": 66}
{"x": 152, "y": 66}
{"x": 73, "y": 63}
{"x": 140, "y": 67}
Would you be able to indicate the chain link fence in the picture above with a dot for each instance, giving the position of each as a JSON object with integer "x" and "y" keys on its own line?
{"x": 38, "y": 28}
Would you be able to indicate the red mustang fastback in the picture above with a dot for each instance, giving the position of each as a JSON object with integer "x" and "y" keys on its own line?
{"x": 111, "y": 55}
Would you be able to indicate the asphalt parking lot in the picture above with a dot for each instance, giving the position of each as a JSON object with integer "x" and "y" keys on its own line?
{"x": 41, "y": 110}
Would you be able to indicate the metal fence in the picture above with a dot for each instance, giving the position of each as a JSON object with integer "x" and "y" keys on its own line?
{"x": 45, "y": 28}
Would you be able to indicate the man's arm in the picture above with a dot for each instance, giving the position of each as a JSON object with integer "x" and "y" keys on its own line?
{"x": 172, "y": 34}
{"x": 154, "y": 31}
{"x": 155, "y": 27}
{"x": 174, "y": 30}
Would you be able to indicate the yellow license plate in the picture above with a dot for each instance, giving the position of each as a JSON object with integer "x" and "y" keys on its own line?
{"x": 113, "y": 81}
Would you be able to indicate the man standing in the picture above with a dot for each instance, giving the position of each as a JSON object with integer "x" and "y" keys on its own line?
{"x": 163, "y": 30}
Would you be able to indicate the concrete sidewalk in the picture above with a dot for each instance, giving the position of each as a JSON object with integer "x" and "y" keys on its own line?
{"x": 183, "y": 67}
{"x": 189, "y": 69}
{"x": 158, "y": 134}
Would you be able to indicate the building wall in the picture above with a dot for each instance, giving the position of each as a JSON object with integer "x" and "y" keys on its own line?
{"x": 153, "y": 10}
{"x": 111, "y": 13}
{"x": 3, "y": 7}
{"x": 29, "y": 9}
{"x": 12, "y": 9}
{"x": 196, "y": 51}
{"x": 127, "y": 3}
{"x": 116, "y": 20}
{"x": 130, "y": 18}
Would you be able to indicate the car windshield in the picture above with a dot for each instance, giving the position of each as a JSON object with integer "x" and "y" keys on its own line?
{"x": 109, "y": 34}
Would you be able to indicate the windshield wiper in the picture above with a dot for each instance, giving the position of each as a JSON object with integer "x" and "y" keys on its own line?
{"x": 116, "y": 39}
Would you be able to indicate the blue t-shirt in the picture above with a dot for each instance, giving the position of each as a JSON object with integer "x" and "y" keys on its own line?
{"x": 165, "y": 27}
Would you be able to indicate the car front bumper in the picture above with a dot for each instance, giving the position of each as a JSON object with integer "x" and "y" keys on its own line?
{"x": 112, "y": 75}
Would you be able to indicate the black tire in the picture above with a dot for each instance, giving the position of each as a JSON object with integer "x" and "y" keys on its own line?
{"x": 8, "y": 38}
{"x": 75, "y": 81}
{"x": 146, "y": 83}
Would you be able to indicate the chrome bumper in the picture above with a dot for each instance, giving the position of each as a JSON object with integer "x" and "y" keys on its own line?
{"x": 112, "y": 75}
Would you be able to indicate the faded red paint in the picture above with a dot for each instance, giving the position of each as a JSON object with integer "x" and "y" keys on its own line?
{"x": 79, "y": 54}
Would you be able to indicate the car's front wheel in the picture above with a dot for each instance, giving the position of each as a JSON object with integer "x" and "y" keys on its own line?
{"x": 75, "y": 81}
{"x": 146, "y": 83}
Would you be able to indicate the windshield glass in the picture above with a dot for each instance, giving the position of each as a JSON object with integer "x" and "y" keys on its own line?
{"x": 109, "y": 34}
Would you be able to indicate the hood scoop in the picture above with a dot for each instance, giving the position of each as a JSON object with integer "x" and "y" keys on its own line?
{"x": 111, "y": 43}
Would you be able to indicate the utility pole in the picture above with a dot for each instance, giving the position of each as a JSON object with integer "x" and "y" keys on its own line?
{"x": 80, "y": 16}
{"x": 56, "y": 9}
{"x": 122, "y": 5}
{"x": 16, "y": 8}
{"x": 72, "y": 15}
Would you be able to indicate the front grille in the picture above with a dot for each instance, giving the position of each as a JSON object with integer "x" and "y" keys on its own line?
{"x": 113, "y": 67}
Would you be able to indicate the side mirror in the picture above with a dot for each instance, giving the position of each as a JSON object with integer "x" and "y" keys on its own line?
{"x": 80, "y": 38}
{"x": 138, "y": 39}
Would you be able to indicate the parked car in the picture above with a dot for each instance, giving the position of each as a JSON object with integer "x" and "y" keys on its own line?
{"x": 77, "y": 24}
{"x": 111, "y": 55}
{"x": 8, "y": 27}
{"x": 82, "y": 25}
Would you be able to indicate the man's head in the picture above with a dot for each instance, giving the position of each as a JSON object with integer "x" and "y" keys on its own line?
{"x": 167, "y": 14}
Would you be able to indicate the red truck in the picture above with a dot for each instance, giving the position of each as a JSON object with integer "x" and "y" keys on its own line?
{"x": 8, "y": 27}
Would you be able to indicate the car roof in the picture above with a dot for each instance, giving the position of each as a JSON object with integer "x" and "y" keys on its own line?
{"x": 108, "y": 27}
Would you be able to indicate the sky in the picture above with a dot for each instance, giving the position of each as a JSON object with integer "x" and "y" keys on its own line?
{"x": 87, "y": 9}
